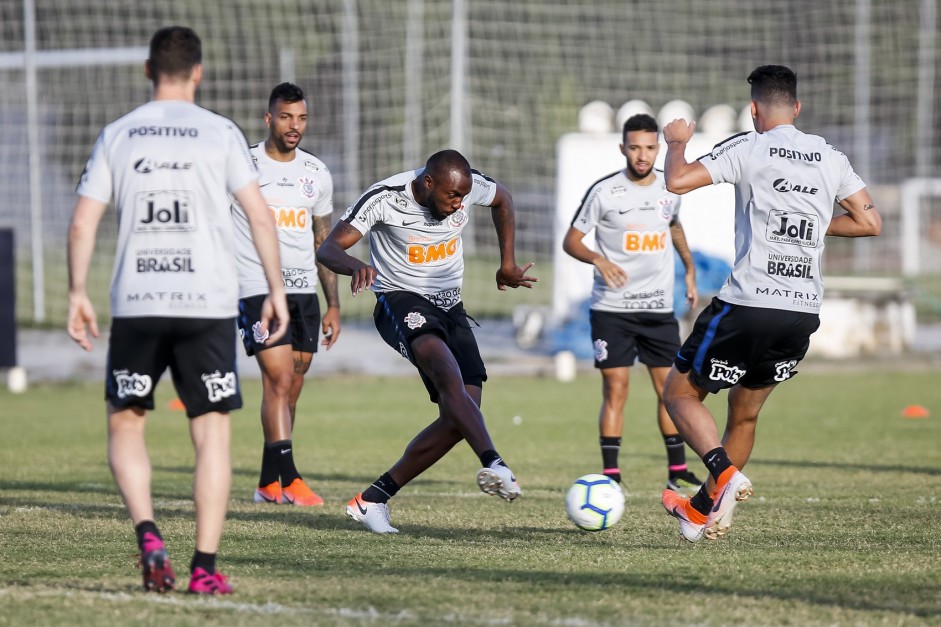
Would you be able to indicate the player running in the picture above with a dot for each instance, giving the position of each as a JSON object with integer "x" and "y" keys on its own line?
{"x": 758, "y": 328}
{"x": 414, "y": 221}
{"x": 299, "y": 191}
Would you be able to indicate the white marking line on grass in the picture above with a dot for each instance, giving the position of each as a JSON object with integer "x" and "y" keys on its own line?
{"x": 269, "y": 608}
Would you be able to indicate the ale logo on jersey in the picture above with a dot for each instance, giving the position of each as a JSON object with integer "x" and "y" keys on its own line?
{"x": 164, "y": 211}
{"x": 420, "y": 254}
{"x": 791, "y": 227}
{"x": 290, "y": 218}
{"x": 645, "y": 241}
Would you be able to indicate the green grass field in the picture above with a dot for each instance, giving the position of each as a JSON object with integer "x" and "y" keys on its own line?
{"x": 843, "y": 528}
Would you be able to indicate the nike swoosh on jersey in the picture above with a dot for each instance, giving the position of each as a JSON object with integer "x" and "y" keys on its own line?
{"x": 411, "y": 223}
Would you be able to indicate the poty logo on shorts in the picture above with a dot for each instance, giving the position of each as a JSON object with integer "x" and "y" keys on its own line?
{"x": 260, "y": 334}
{"x": 414, "y": 320}
{"x": 721, "y": 371}
{"x": 601, "y": 350}
{"x": 220, "y": 385}
{"x": 784, "y": 370}
{"x": 132, "y": 384}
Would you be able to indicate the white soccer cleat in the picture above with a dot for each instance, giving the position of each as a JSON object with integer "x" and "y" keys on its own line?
{"x": 735, "y": 489}
{"x": 499, "y": 481}
{"x": 374, "y": 515}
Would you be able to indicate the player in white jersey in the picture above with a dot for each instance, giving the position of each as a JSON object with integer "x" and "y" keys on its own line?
{"x": 170, "y": 166}
{"x": 299, "y": 191}
{"x": 414, "y": 221}
{"x": 636, "y": 229}
{"x": 758, "y": 327}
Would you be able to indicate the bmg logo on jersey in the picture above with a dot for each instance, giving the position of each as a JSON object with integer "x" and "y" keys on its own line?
{"x": 164, "y": 211}
{"x": 291, "y": 218}
{"x": 791, "y": 227}
{"x": 132, "y": 383}
{"x": 220, "y": 385}
{"x": 722, "y": 371}
{"x": 419, "y": 254}
{"x": 645, "y": 241}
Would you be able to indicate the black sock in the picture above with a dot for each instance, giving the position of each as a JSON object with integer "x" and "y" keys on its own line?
{"x": 284, "y": 456}
{"x": 676, "y": 453}
{"x": 488, "y": 457}
{"x": 716, "y": 460}
{"x": 610, "y": 448}
{"x": 382, "y": 489}
{"x": 701, "y": 501}
{"x": 269, "y": 465}
{"x": 206, "y": 561}
{"x": 147, "y": 526}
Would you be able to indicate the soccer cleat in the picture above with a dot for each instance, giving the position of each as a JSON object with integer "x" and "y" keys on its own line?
{"x": 498, "y": 481}
{"x": 155, "y": 564}
{"x": 202, "y": 582}
{"x": 732, "y": 488}
{"x": 684, "y": 482}
{"x": 270, "y": 493}
{"x": 692, "y": 522}
{"x": 299, "y": 494}
{"x": 374, "y": 515}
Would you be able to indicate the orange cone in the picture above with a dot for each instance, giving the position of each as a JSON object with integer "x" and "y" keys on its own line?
{"x": 176, "y": 405}
{"x": 915, "y": 411}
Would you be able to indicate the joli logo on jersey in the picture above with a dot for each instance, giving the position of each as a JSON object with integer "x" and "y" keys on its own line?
{"x": 164, "y": 211}
{"x": 645, "y": 241}
{"x": 429, "y": 253}
{"x": 789, "y": 227}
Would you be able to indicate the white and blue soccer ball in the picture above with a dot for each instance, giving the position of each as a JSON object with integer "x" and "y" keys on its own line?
{"x": 594, "y": 502}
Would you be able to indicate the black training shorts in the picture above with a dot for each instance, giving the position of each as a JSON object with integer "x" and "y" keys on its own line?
{"x": 620, "y": 338}
{"x": 751, "y": 346}
{"x": 304, "y": 310}
{"x": 200, "y": 353}
{"x": 402, "y": 316}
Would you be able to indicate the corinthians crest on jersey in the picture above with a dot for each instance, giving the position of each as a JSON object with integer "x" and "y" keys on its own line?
{"x": 410, "y": 249}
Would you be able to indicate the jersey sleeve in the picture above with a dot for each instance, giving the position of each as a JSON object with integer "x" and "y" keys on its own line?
{"x": 324, "y": 204}
{"x": 240, "y": 167}
{"x": 586, "y": 217}
{"x": 726, "y": 161}
{"x": 96, "y": 181}
{"x": 850, "y": 182}
{"x": 369, "y": 210}
{"x": 483, "y": 191}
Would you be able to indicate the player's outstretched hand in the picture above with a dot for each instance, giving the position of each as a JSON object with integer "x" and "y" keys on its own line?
{"x": 613, "y": 275}
{"x": 363, "y": 278}
{"x": 82, "y": 320}
{"x": 515, "y": 277}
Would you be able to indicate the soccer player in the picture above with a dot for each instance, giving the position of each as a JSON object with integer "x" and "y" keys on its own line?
{"x": 170, "y": 166}
{"x": 637, "y": 227}
{"x": 299, "y": 191}
{"x": 756, "y": 331}
{"x": 414, "y": 221}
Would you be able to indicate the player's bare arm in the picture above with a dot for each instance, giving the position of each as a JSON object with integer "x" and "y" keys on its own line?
{"x": 681, "y": 175}
{"x": 861, "y": 219}
{"x": 504, "y": 221}
{"x": 686, "y": 256}
{"x": 265, "y": 238}
{"x": 330, "y": 324}
{"x": 82, "y": 232}
{"x": 332, "y": 254}
{"x": 573, "y": 244}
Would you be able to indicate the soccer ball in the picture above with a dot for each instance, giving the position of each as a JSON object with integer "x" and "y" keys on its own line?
{"x": 594, "y": 502}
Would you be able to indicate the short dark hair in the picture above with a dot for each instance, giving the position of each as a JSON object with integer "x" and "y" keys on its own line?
{"x": 444, "y": 161}
{"x": 773, "y": 84}
{"x": 639, "y": 122}
{"x": 174, "y": 52}
{"x": 285, "y": 92}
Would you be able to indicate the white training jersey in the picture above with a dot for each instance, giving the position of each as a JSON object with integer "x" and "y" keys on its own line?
{"x": 171, "y": 167}
{"x": 786, "y": 182}
{"x": 410, "y": 250}
{"x": 295, "y": 191}
{"x": 632, "y": 230}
